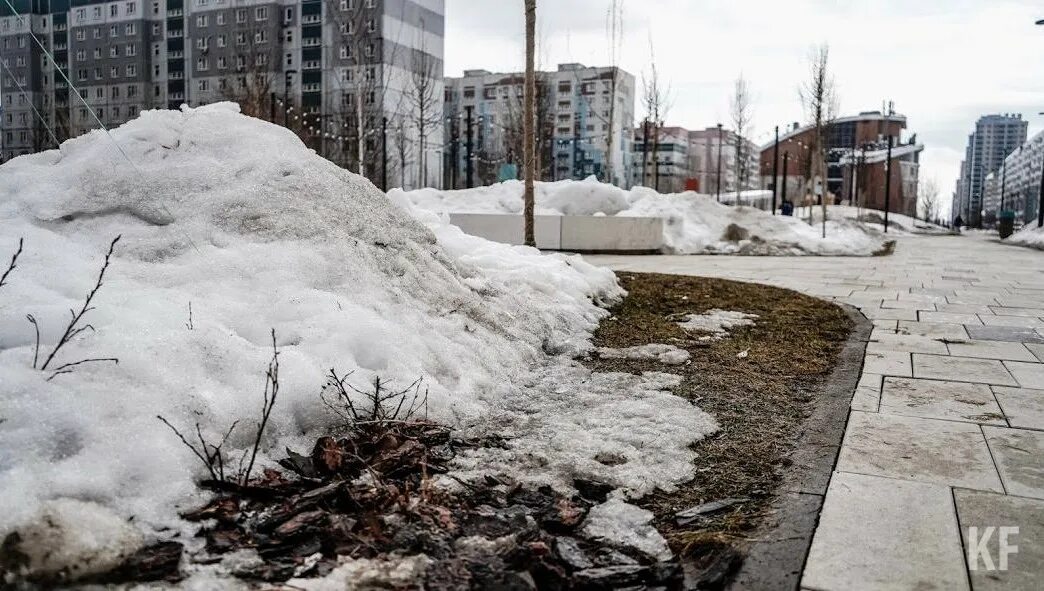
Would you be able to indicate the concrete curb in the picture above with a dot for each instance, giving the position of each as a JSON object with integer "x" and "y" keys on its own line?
{"x": 776, "y": 559}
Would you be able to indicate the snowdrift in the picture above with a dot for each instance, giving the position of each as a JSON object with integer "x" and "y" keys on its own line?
{"x": 1030, "y": 235}
{"x": 239, "y": 219}
{"x": 694, "y": 223}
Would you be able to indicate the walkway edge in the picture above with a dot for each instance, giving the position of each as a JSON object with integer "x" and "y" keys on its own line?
{"x": 776, "y": 558}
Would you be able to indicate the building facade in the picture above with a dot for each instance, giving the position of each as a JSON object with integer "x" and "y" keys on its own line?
{"x": 994, "y": 138}
{"x": 1016, "y": 187}
{"x": 332, "y": 70}
{"x": 857, "y": 163}
{"x": 687, "y": 160}
{"x": 584, "y": 120}
{"x": 661, "y": 159}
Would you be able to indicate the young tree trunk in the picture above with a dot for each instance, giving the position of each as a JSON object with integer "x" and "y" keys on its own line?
{"x": 528, "y": 133}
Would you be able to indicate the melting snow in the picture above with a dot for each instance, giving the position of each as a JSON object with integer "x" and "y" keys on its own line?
{"x": 666, "y": 354}
{"x": 717, "y": 323}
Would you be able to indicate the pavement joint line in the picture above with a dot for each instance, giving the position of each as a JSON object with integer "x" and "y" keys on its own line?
{"x": 1000, "y": 477}
{"x": 960, "y": 537}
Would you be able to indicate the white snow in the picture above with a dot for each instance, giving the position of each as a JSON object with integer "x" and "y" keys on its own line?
{"x": 694, "y": 223}
{"x": 1030, "y": 235}
{"x": 666, "y": 354}
{"x": 365, "y": 573}
{"x": 617, "y": 521}
{"x": 717, "y": 323}
{"x": 239, "y": 218}
{"x": 874, "y": 219}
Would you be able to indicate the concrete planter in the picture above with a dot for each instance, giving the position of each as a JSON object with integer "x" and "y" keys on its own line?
{"x": 586, "y": 234}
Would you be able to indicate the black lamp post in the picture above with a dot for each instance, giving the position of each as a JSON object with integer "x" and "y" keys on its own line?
{"x": 775, "y": 171}
{"x": 719, "y": 163}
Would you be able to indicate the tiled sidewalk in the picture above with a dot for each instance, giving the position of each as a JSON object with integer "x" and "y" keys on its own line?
{"x": 946, "y": 431}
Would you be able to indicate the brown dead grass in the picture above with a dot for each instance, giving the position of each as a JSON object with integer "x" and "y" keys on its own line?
{"x": 760, "y": 402}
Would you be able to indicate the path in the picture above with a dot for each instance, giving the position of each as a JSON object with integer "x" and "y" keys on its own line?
{"x": 946, "y": 431}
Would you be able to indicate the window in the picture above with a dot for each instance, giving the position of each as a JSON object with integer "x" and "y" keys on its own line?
{"x": 344, "y": 52}
{"x": 114, "y": 31}
{"x": 155, "y": 8}
{"x": 289, "y": 35}
{"x": 81, "y": 74}
{"x": 132, "y": 91}
{"x": 202, "y": 64}
{"x": 130, "y": 50}
{"x": 240, "y": 62}
{"x": 347, "y": 4}
{"x": 97, "y": 12}
{"x": 129, "y": 29}
{"x": 240, "y": 15}
{"x": 222, "y": 63}
{"x": 114, "y": 72}
{"x": 369, "y": 50}
{"x": 97, "y": 74}
{"x": 348, "y": 75}
{"x": 261, "y": 59}
{"x": 81, "y": 13}
{"x": 261, "y": 36}
{"x": 261, "y": 13}
{"x": 132, "y": 71}
{"x": 97, "y": 32}
{"x": 289, "y": 59}
{"x": 156, "y": 28}
{"x": 201, "y": 43}
{"x": 288, "y": 16}
{"x": 99, "y": 93}
{"x": 240, "y": 38}
{"x": 81, "y": 35}
{"x": 202, "y": 20}
{"x": 220, "y": 40}
{"x": 97, "y": 53}
{"x": 220, "y": 18}
{"x": 114, "y": 10}
{"x": 371, "y": 26}
{"x": 115, "y": 92}
{"x": 204, "y": 85}
{"x": 114, "y": 51}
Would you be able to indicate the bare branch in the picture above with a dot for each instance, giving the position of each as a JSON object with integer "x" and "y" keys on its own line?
{"x": 67, "y": 368}
{"x": 71, "y": 329}
{"x": 36, "y": 351}
{"x": 14, "y": 261}
{"x": 271, "y": 392}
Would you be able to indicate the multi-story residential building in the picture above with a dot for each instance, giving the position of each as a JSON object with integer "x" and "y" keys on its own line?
{"x": 584, "y": 120}
{"x": 705, "y": 148}
{"x": 994, "y": 138}
{"x": 857, "y": 163}
{"x": 332, "y": 70}
{"x": 1016, "y": 186}
{"x": 661, "y": 159}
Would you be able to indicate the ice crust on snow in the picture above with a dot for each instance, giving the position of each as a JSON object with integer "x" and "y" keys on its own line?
{"x": 239, "y": 218}
{"x": 716, "y": 323}
{"x": 666, "y": 354}
{"x": 619, "y": 522}
{"x": 694, "y": 223}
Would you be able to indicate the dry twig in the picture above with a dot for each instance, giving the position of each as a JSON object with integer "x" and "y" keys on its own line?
{"x": 14, "y": 263}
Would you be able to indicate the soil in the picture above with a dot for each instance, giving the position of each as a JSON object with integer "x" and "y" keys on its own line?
{"x": 760, "y": 400}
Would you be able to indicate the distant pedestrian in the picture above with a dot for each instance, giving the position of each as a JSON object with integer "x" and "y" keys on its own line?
{"x": 788, "y": 208}
{"x": 957, "y": 223}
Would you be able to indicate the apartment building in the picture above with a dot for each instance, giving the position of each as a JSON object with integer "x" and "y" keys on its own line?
{"x": 333, "y": 70}
{"x": 580, "y": 132}
{"x": 994, "y": 138}
{"x": 1017, "y": 185}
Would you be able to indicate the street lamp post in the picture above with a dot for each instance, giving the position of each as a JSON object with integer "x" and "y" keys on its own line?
{"x": 286, "y": 97}
{"x": 775, "y": 171}
{"x": 719, "y": 163}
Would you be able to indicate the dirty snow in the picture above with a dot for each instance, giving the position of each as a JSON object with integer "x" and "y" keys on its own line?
{"x": 666, "y": 354}
{"x": 717, "y": 323}
{"x": 1030, "y": 235}
{"x": 240, "y": 219}
{"x": 694, "y": 223}
{"x": 364, "y": 573}
{"x": 619, "y": 522}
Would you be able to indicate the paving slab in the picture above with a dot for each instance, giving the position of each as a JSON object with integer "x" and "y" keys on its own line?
{"x": 935, "y": 330}
{"x": 1019, "y": 301}
{"x": 890, "y": 363}
{"x": 868, "y": 393}
{"x": 882, "y": 534}
{"x": 983, "y": 510}
{"x": 878, "y": 313}
{"x": 964, "y": 308}
{"x": 1021, "y": 321}
{"x": 948, "y": 318}
{"x": 1013, "y": 334}
{"x": 1023, "y": 407}
{"x": 884, "y": 341}
{"x": 1028, "y": 312}
{"x": 934, "y": 399}
{"x": 1004, "y": 350}
{"x": 962, "y": 369}
{"x": 907, "y": 305}
{"x": 1019, "y": 454}
{"x": 1029, "y": 375}
{"x": 913, "y": 448}
{"x": 1037, "y": 349}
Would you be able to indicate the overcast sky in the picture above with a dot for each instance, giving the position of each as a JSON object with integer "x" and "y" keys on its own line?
{"x": 943, "y": 62}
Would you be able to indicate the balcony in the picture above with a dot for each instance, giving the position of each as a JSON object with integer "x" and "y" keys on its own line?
{"x": 175, "y": 54}
{"x": 312, "y": 65}
{"x": 60, "y": 46}
{"x": 176, "y": 75}
{"x": 311, "y": 42}
{"x": 311, "y": 87}
{"x": 175, "y": 12}
{"x": 177, "y": 96}
{"x": 178, "y": 34}
{"x": 60, "y": 28}
{"x": 311, "y": 19}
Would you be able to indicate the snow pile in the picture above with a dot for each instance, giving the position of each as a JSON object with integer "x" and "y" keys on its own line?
{"x": 1030, "y": 235}
{"x": 666, "y": 354}
{"x": 874, "y": 219}
{"x": 616, "y": 521}
{"x": 716, "y": 324}
{"x": 239, "y": 219}
{"x": 694, "y": 223}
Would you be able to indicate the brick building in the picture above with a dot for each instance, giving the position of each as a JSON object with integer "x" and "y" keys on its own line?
{"x": 857, "y": 149}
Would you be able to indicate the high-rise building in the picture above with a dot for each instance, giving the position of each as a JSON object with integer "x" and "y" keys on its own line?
{"x": 994, "y": 138}
{"x": 332, "y": 70}
{"x": 705, "y": 147}
{"x": 579, "y": 131}
{"x": 1016, "y": 185}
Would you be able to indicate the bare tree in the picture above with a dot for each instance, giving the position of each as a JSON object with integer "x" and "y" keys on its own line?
{"x": 742, "y": 112}
{"x": 656, "y": 101}
{"x": 928, "y": 194}
{"x": 424, "y": 100}
{"x": 529, "y": 159}
{"x": 819, "y": 98}
{"x": 403, "y": 148}
{"x": 614, "y": 32}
